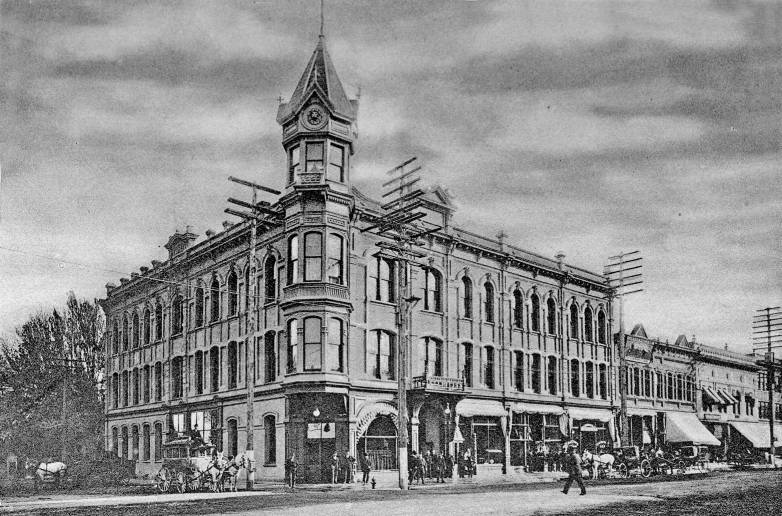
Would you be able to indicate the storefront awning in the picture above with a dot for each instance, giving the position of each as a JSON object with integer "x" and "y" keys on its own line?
{"x": 471, "y": 407}
{"x": 728, "y": 397}
{"x": 712, "y": 396}
{"x": 596, "y": 414}
{"x": 635, "y": 411}
{"x": 537, "y": 408}
{"x": 756, "y": 433}
{"x": 684, "y": 427}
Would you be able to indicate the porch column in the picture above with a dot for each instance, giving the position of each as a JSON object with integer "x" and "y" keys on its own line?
{"x": 414, "y": 434}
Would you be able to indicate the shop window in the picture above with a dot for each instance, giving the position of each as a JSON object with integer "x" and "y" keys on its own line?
{"x": 467, "y": 364}
{"x": 537, "y": 379}
{"x": 488, "y": 367}
{"x": 145, "y": 443}
{"x": 293, "y": 259}
{"x": 294, "y": 163}
{"x": 518, "y": 370}
{"x": 158, "y": 381}
{"x": 534, "y": 312}
{"x": 336, "y": 346}
{"x": 552, "y": 375}
{"x": 488, "y": 302}
{"x": 177, "y": 377}
{"x": 466, "y": 297}
{"x": 432, "y": 288}
{"x": 293, "y": 345}
{"x": 489, "y": 440}
{"x": 214, "y": 300}
{"x": 601, "y": 327}
{"x": 312, "y": 344}
{"x": 314, "y": 157}
{"x": 176, "y": 315}
{"x": 270, "y": 440}
{"x": 380, "y": 355}
{"x": 147, "y": 325}
{"x": 233, "y": 438}
{"x": 270, "y": 278}
{"x": 382, "y": 279}
{"x": 551, "y": 316}
{"x": 233, "y": 294}
{"x": 336, "y": 169}
{"x": 270, "y": 356}
{"x": 575, "y": 378}
{"x": 588, "y": 327}
{"x": 573, "y": 321}
{"x": 518, "y": 309}
{"x": 335, "y": 264}
{"x": 158, "y": 441}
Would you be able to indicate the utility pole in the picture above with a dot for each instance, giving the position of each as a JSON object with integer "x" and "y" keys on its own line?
{"x": 622, "y": 272}
{"x": 258, "y": 210}
{"x": 767, "y": 329}
{"x": 397, "y": 224}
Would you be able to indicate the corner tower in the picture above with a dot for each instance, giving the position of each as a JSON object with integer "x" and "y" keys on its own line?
{"x": 319, "y": 126}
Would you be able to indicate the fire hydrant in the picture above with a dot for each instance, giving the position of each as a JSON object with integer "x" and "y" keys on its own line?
{"x": 373, "y": 482}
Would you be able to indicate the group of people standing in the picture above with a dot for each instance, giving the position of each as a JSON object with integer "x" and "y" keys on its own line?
{"x": 432, "y": 465}
{"x": 345, "y": 468}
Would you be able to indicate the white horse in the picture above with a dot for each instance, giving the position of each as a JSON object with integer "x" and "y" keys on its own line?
{"x": 47, "y": 472}
{"x": 595, "y": 462}
{"x": 231, "y": 470}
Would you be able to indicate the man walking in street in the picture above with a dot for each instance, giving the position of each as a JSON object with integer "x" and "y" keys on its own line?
{"x": 573, "y": 463}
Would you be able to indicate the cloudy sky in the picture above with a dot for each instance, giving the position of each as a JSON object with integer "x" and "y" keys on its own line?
{"x": 586, "y": 127}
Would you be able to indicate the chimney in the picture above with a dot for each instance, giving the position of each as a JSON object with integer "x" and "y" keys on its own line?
{"x": 227, "y": 225}
{"x": 144, "y": 269}
{"x": 109, "y": 287}
{"x": 210, "y": 233}
{"x": 155, "y": 263}
{"x": 726, "y": 346}
{"x": 180, "y": 242}
{"x": 134, "y": 275}
{"x": 560, "y": 256}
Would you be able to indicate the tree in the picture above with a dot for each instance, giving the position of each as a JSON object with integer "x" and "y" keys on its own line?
{"x": 51, "y": 377}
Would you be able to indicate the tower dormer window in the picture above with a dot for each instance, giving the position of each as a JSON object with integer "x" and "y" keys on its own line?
{"x": 294, "y": 163}
{"x": 313, "y": 252}
{"x": 336, "y": 169}
{"x": 314, "y": 157}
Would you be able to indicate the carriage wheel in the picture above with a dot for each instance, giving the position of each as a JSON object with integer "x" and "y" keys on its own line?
{"x": 622, "y": 469}
{"x": 681, "y": 468}
{"x": 181, "y": 482}
{"x": 163, "y": 483}
{"x": 602, "y": 472}
{"x": 646, "y": 468}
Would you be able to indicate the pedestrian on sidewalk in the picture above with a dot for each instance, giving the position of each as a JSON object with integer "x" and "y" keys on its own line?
{"x": 574, "y": 470}
{"x": 365, "y": 468}
{"x": 439, "y": 467}
{"x": 334, "y": 468}
{"x": 290, "y": 471}
{"x": 347, "y": 467}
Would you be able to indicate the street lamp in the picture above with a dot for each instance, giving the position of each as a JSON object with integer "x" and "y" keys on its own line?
{"x": 447, "y": 413}
{"x": 316, "y": 413}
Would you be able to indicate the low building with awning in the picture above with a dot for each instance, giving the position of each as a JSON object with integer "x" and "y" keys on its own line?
{"x": 483, "y": 425}
{"x": 684, "y": 427}
{"x": 537, "y": 432}
{"x": 590, "y": 426}
{"x": 757, "y": 433}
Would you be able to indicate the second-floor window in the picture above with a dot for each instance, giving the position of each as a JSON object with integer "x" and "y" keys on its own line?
{"x": 293, "y": 345}
{"x": 294, "y": 163}
{"x": 293, "y": 259}
{"x": 488, "y": 303}
{"x": 380, "y": 355}
{"x": 199, "y": 307}
{"x": 534, "y": 315}
{"x": 432, "y": 287}
{"x": 573, "y": 320}
{"x": 270, "y": 356}
{"x": 518, "y": 307}
{"x": 233, "y": 293}
{"x": 314, "y": 157}
{"x": 467, "y": 365}
{"x": 176, "y": 316}
{"x": 214, "y": 300}
{"x": 312, "y": 344}
{"x": 335, "y": 263}
{"x": 518, "y": 370}
{"x": 336, "y": 347}
{"x": 336, "y": 170}
{"x": 177, "y": 377}
{"x": 270, "y": 279}
{"x": 588, "y": 327}
{"x": 488, "y": 367}
{"x": 382, "y": 279}
{"x": 466, "y": 297}
{"x": 313, "y": 256}
{"x": 551, "y": 316}
{"x": 601, "y": 327}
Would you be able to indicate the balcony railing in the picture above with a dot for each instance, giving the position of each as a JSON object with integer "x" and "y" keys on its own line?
{"x": 303, "y": 292}
{"x": 438, "y": 383}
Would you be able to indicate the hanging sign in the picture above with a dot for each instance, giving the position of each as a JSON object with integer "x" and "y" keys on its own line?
{"x": 321, "y": 430}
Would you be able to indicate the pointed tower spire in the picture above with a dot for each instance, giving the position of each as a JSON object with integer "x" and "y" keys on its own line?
{"x": 321, "y": 19}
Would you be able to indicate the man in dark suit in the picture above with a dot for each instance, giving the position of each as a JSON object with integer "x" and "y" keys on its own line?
{"x": 573, "y": 463}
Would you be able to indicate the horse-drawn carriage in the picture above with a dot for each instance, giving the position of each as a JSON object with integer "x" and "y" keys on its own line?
{"x": 630, "y": 460}
{"x": 616, "y": 463}
{"x": 188, "y": 466}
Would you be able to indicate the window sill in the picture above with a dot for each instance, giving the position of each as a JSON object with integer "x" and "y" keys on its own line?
{"x": 270, "y": 465}
{"x": 433, "y": 312}
{"x": 383, "y": 303}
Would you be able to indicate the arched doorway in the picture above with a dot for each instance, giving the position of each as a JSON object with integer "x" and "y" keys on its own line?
{"x": 380, "y": 443}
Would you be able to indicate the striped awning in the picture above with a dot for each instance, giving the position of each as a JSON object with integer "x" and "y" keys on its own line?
{"x": 728, "y": 397}
{"x": 712, "y": 396}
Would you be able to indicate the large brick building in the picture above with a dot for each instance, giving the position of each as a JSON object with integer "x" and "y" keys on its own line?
{"x": 511, "y": 347}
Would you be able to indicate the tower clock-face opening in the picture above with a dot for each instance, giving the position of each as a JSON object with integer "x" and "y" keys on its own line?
{"x": 314, "y": 117}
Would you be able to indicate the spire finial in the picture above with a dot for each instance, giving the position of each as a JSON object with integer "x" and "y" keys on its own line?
{"x": 321, "y": 19}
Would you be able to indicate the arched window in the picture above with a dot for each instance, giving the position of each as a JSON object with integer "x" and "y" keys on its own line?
{"x": 380, "y": 443}
{"x": 115, "y": 339}
{"x": 603, "y": 381}
{"x": 214, "y": 300}
{"x": 488, "y": 367}
{"x": 125, "y": 333}
{"x": 636, "y": 381}
{"x": 488, "y": 303}
{"x": 158, "y": 381}
{"x": 336, "y": 260}
{"x": 601, "y": 327}
{"x": 135, "y": 330}
{"x": 589, "y": 379}
{"x": 269, "y": 440}
{"x": 214, "y": 369}
{"x": 588, "y": 327}
{"x": 432, "y": 359}
{"x": 313, "y": 256}
{"x": 233, "y": 438}
{"x": 537, "y": 378}
{"x": 145, "y": 442}
{"x": 518, "y": 370}
{"x": 158, "y": 320}
{"x": 466, "y": 297}
{"x": 575, "y": 378}
{"x": 270, "y": 356}
{"x": 293, "y": 345}
{"x": 199, "y": 307}
{"x": 125, "y": 385}
{"x": 176, "y": 315}
{"x": 158, "y": 442}
{"x": 147, "y": 383}
{"x": 124, "y": 444}
{"x": 380, "y": 355}
{"x": 573, "y": 320}
{"x": 270, "y": 278}
{"x": 535, "y": 312}
{"x": 335, "y": 354}
{"x": 293, "y": 259}
{"x": 233, "y": 368}
{"x": 551, "y": 316}
{"x": 177, "y": 377}
{"x": 135, "y": 439}
{"x": 552, "y": 375}
{"x": 115, "y": 390}
{"x": 518, "y": 309}
{"x": 382, "y": 279}
{"x": 432, "y": 288}
{"x": 467, "y": 364}
{"x": 312, "y": 344}
{"x": 233, "y": 293}
{"x": 199, "y": 372}
{"x": 136, "y": 387}
{"x": 114, "y": 440}
{"x": 147, "y": 326}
